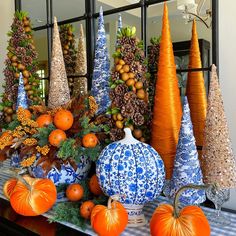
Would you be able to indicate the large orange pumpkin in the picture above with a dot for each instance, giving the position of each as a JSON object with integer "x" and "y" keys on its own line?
{"x": 168, "y": 221}
{"x": 33, "y": 196}
{"x": 9, "y": 187}
{"x": 56, "y": 137}
{"x": 63, "y": 119}
{"x": 94, "y": 186}
{"x": 110, "y": 220}
{"x": 44, "y": 120}
{"x": 89, "y": 140}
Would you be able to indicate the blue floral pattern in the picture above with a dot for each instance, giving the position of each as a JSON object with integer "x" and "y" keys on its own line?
{"x": 134, "y": 170}
{"x": 22, "y": 100}
{"x": 187, "y": 167}
{"x": 101, "y": 72}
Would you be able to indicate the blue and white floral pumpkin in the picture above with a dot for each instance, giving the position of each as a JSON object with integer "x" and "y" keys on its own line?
{"x": 132, "y": 169}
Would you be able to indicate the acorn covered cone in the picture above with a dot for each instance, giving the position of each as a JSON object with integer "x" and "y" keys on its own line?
{"x": 59, "y": 93}
{"x": 80, "y": 83}
{"x": 21, "y": 58}
{"x": 167, "y": 111}
{"x": 186, "y": 166}
{"x": 218, "y": 160}
{"x": 101, "y": 71}
{"x": 67, "y": 38}
{"x": 195, "y": 90}
{"x": 22, "y": 100}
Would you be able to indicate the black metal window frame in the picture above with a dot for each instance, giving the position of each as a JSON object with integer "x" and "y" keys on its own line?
{"x": 90, "y": 16}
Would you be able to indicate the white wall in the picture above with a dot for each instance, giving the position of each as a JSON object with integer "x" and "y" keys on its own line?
{"x": 7, "y": 10}
{"x": 227, "y": 52}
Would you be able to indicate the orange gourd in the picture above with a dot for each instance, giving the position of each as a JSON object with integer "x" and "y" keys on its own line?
{"x": 27, "y": 114}
{"x": 9, "y": 187}
{"x": 110, "y": 220}
{"x": 86, "y": 209}
{"x": 94, "y": 186}
{"x": 74, "y": 192}
{"x": 167, "y": 220}
{"x": 33, "y": 196}
{"x": 44, "y": 120}
{"x": 89, "y": 140}
{"x": 56, "y": 137}
{"x": 63, "y": 119}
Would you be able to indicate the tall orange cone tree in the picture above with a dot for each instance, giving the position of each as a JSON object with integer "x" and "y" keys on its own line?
{"x": 167, "y": 110}
{"x": 196, "y": 91}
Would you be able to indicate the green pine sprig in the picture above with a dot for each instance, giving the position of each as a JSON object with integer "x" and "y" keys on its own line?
{"x": 43, "y": 134}
{"x": 67, "y": 149}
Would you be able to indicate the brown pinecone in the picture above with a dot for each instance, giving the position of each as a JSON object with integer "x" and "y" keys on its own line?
{"x": 115, "y": 75}
{"x": 118, "y": 101}
{"x": 127, "y": 110}
{"x": 129, "y": 96}
{"x": 138, "y": 119}
{"x": 116, "y": 134}
{"x": 121, "y": 89}
{"x": 128, "y": 58}
{"x": 126, "y": 48}
{"x": 127, "y": 40}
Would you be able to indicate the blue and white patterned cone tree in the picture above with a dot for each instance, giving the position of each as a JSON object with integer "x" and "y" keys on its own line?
{"x": 22, "y": 100}
{"x": 101, "y": 72}
{"x": 186, "y": 166}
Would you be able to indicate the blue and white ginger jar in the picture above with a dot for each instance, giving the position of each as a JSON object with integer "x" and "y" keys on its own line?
{"x": 133, "y": 170}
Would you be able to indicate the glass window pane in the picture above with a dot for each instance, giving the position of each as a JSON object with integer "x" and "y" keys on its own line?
{"x": 64, "y": 10}
{"x": 110, "y": 4}
{"x": 129, "y": 18}
{"x": 37, "y": 11}
{"x": 40, "y": 38}
{"x": 181, "y": 33}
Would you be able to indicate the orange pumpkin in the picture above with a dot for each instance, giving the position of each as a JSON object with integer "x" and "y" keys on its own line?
{"x": 86, "y": 209}
{"x": 33, "y": 196}
{"x": 110, "y": 220}
{"x": 94, "y": 186}
{"x": 27, "y": 114}
{"x": 74, "y": 192}
{"x": 168, "y": 221}
{"x": 63, "y": 119}
{"x": 89, "y": 140}
{"x": 44, "y": 120}
{"x": 9, "y": 187}
{"x": 56, "y": 137}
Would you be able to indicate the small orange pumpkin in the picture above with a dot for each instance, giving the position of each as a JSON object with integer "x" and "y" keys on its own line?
{"x": 110, "y": 220}
{"x": 56, "y": 137}
{"x": 44, "y": 120}
{"x": 63, "y": 119}
{"x": 86, "y": 209}
{"x": 89, "y": 140}
{"x": 168, "y": 221}
{"x": 33, "y": 196}
{"x": 94, "y": 186}
{"x": 9, "y": 187}
{"x": 27, "y": 114}
{"x": 74, "y": 192}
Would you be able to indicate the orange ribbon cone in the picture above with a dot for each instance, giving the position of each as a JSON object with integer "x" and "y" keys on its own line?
{"x": 196, "y": 91}
{"x": 167, "y": 110}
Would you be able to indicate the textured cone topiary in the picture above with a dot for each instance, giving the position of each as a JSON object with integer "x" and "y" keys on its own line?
{"x": 67, "y": 38}
{"x": 21, "y": 58}
{"x": 129, "y": 87}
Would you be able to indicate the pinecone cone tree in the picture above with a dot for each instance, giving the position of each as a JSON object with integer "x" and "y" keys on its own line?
{"x": 21, "y": 57}
{"x": 153, "y": 57}
{"x": 129, "y": 87}
{"x": 67, "y": 38}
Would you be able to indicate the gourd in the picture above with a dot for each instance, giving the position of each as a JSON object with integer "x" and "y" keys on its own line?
{"x": 167, "y": 220}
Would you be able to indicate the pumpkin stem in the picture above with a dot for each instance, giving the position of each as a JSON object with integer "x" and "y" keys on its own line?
{"x": 180, "y": 191}
{"x": 15, "y": 174}
{"x": 112, "y": 198}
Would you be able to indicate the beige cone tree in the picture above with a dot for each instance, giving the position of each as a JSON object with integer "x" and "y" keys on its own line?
{"x": 218, "y": 161}
{"x": 59, "y": 93}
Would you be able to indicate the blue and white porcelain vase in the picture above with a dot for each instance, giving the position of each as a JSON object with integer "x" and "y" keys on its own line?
{"x": 133, "y": 170}
{"x": 66, "y": 174}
